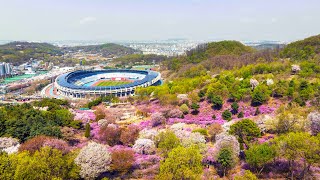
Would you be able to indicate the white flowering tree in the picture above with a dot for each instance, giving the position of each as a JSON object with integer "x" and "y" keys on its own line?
{"x": 144, "y": 146}
{"x": 9, "y": 145}
{"x": 148, "y": 134}
{"x": 314, "y": 118}
{"x": 270, "y": 82}
{"x": 157, "y": 119}
{"x": 194, "y": 139}
{"x": 224, "y": 140}
{"x": 93, "y": 160}
{"x": 295, "y": 68}
{"x": 178, "y": 126}
{"x": 254, "y": 83}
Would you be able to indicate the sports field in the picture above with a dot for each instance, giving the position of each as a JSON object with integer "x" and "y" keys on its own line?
{"x": 111, "y": 83}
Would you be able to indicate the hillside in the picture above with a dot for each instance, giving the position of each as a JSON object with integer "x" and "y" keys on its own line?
{"x": 137, "y": 59}
{"x": 303, "y": 49}
{"x": 206, "y": 51}
{"x": 20, "y": 52}
{"x": 217, "y": 56}
{"x": 251, "y": 116}
{"x": 107, "y": 50}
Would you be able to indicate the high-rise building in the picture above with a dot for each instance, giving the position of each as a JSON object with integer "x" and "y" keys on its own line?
{"x": 5, "y": 69}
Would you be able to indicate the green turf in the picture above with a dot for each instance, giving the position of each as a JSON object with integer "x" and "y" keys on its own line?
{"x": 112, "y": 83}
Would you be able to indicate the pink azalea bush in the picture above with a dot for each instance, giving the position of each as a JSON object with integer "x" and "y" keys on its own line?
{"x": 157, "y": 119}
{"x": 84, "y": 115}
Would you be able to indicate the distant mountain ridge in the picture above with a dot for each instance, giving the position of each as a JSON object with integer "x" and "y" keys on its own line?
{"x": 19, "y": 52}
{"x": 107, "y": 50}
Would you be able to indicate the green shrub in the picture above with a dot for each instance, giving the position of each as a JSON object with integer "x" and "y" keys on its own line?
{"x": 87, "y": 131}
{"x": 217, "y": 102}
{"x": 240, "y": 115}
{"x": 184, "y": 108}
{"x": 227, "y": 115}
{"x": 201, "y": 131}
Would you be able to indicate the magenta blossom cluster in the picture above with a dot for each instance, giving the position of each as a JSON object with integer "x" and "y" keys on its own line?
{"x": 95, "y": 128}
{"x": 144, "y": 160}
{"x": 145, "y": 124}
{"x": 84, "y": 115}
{"x": 208, "y": 157}
{"x": 118, "y": 148}
{"x": 265, "y": 138}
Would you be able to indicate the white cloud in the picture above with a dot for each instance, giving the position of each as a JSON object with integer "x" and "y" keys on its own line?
{"x": 87, "y": 20}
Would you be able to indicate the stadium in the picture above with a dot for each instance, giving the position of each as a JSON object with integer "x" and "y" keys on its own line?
{"x": 116, "y": 82}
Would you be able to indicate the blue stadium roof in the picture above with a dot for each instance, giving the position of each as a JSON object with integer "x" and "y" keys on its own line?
{"x": 66, "y": 80}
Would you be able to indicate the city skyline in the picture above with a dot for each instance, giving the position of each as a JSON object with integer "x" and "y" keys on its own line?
{"x": 125, "y": 20}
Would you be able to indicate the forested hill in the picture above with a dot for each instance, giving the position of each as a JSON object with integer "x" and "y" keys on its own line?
{"x": 19, "y": 52}
{"x": 303, "y": 49}
{"x": 206, "y": 51}
{"x": 107, "y": 50}
{"x": 217, "y": 55}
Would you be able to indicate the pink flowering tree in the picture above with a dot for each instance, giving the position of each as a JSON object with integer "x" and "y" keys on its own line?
{"x": 157, "y": 119}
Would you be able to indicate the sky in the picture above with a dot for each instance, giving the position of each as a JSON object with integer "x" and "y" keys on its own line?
{"x": 120, "y": 20}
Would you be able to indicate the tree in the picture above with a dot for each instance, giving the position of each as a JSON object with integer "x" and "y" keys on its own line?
{"x": 110, "y": 134}
{"x": 260, "y": 154}
{"x": 225, "y": 160}
{"x": 63, "y": 117}
{"x": 314, "y": 117}
{"x": 216, "y": 101}
{"x": 46, "y": 163}
{"x": 144, "y": 146}
{"x": 35, "y": 144}
{"x": 240, "y": 115}
{"x": 87, "y": 131}
{"x": 157, "y": 119}
{"x": 226, "y": 115}
{"x": 201, "y": 93}
{"x": 202, "y": 131}
{"x": 235, "y": 107}
{"x": 184, "y": 108}
{"x": 122, "y": 160}
{"x": 213, "y": 130}
{"x": 290, "y": 120}
{"x": 258, "y": 98}
{"x": 246, "y": 130}
{"x": 248, "y": 175}
{"x": 166, "y": 141}
{"x": 3, "y": 115}
{"x": 129, "y": 135}
{"x": 298, "y": 147}
{"x": 195, "y": 107}
{"x": 93, "y": 160}
{"x": 194, "y": 139}
{"x": 260, "y": 95}
{"x": 257, "y": 112}
{"x": 182, "y": 163}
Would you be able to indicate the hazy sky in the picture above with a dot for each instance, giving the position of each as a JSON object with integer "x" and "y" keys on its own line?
{"x": 283, "y": 20}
